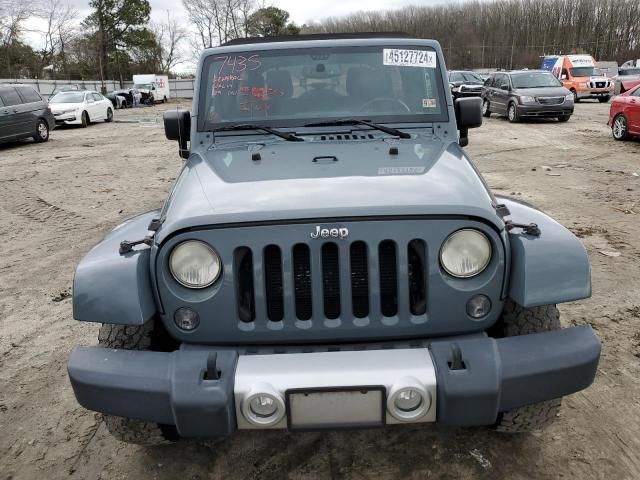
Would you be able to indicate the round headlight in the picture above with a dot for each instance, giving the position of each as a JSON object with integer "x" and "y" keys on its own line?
{"x": 194, "y": 264}
{"x": 465, "y": 253}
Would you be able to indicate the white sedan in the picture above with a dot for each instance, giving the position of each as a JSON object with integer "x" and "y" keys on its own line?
{"x": 80, "y": 108}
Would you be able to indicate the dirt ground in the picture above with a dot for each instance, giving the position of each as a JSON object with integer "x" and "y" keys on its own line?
{"x": 58, "y": 199}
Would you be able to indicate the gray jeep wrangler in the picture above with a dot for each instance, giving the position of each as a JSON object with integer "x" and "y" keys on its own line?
{"x": 329, "y": 257}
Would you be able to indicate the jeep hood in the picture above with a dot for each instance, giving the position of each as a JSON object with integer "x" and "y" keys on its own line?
{"x": 320, "y": 180}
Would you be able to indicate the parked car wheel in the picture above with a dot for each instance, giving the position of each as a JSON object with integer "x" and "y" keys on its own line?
{"x": 564, "y": 118}
{"x": 518, "y": 320}
{"x": 512, "y": 113}
{"x": 603, "y": 99}
{"x": 85, "y": 120}
{"x": 109, "y": 118}
{"x": 486, "y": 112}
{"x": 42, "y": 131}
{"x": 576, "y": 99}
{"x": 142, "y": 337}
{"x": 619, "y": 128}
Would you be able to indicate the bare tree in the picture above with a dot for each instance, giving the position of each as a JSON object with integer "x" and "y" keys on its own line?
{"x": 61, "y": 19}
{"x": 217, "y": 21}
{"x": 13, "y": 15}
{"x": 170, "y": 35}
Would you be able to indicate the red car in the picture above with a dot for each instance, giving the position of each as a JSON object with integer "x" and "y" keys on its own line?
{"x": 624, "y": 114}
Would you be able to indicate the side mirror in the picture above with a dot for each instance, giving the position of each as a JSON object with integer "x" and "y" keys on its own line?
{"x": 177, "y": 126}
{"x": 468, "y": 115}
{"x": 504, "y": 86}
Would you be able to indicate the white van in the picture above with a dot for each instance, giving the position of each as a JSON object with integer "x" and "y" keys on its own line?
{"x": 152, "y": 84}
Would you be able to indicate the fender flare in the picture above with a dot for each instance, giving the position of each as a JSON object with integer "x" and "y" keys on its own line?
{"x": 113, "y": 288}
{"x": 549, "y": 269}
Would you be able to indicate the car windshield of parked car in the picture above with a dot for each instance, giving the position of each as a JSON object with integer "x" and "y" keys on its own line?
{"x": 534, "y": 80}
{"x": 586, "y": 72}
{"x": 469, "y": 77}
{"x": 142, "y": 86}
{"x": 296, "y": 86}
{"x": 67, "y": 97}
{"x": 629, "y": 71}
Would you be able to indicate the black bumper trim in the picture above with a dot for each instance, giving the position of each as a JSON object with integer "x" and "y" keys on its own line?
{"x": 506, "y": 373}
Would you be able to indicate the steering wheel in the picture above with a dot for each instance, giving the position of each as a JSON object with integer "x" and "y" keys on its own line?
{"x": 395, "y": 101}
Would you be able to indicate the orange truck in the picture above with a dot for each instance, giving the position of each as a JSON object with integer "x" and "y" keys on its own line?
{"x": 580, "y": 75}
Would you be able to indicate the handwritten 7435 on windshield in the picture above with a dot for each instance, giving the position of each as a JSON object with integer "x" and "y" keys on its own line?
{"x": 238, "y": 63}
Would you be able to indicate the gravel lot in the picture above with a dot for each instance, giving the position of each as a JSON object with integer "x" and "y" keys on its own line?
{"x": 58, "y": 199}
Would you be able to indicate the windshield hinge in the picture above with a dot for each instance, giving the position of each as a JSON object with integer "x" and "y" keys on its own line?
{"x": 126, "y": 246}
{"x": 528, "y": 228}
{"x": 502, "y": 210}
{"x": 155, "y": 224}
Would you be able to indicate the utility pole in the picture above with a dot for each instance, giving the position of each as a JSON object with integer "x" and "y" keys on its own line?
{"x": 513, "y": 43}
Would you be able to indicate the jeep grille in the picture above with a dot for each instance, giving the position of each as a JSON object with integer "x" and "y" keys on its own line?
{"x": 365, "y": 263}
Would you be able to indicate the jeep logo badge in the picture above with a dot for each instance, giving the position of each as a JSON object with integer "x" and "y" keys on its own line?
{"x": 340, "y": 233}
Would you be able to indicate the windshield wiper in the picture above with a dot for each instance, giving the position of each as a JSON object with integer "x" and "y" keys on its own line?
{"x": 290, "y": 137}
{"x": 355, "y": 121}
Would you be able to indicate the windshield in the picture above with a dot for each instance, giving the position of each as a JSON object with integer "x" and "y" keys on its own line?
{"x": 534, "y": 80}
{"x": 586, "y": 72}
{"x": 298, "y": 86}
{"x": 67, "y": 97}
{"x": 630, "y": 71}
{"x": 465, "y": 77}
{"x": 143, "y": 86}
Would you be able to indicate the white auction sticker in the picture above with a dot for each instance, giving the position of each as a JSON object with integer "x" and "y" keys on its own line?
{"x": 409, "y": 58}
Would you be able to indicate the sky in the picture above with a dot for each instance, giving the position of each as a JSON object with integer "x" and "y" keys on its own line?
{"x": 301, "y": 11}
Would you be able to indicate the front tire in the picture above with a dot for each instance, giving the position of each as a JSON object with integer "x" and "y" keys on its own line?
{"x": 128, "y": 430}
{"x": 603, "y": 99}
{"x": 564, "y": 118}
{"x": 85, "y": 120}
{"x": 486, "y": 112}
{"x": 42, "y": 131}
{"x": 620, "y": 127}
{"x": 512, "y": 113}
{"x": 518, "y": 320}
{"x": 109, "y": 118}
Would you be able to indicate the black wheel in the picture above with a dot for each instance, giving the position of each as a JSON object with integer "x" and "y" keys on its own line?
{"x": 619, "y": 127}
{"x": 85, "y": 120}
{"x": 576, "y": 99}
{"x": 486, "y": 112}
{"x": 42, "y": 131}
{"x": 603, "y": 99}
{"x": 109, "y": 118}
{"x": 164, "y": 100}
{"x": 512, "y": 113}
{"x": 564, "y": 118}
{"x": 518, "y": 320}
{"x": 145, "y": 337}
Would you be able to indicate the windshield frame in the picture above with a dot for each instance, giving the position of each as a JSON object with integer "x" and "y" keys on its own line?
{"x": 79, "y": 93}
{"x": 204, "y": 125}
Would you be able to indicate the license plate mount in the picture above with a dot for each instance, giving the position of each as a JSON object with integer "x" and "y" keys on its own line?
{"x": 336, "y": 407}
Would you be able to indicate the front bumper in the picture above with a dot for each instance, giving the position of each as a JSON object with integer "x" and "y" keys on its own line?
{"x": 536, "y": 110}
{"x": 465, "y": 380}
{"x": 595, "y": 92}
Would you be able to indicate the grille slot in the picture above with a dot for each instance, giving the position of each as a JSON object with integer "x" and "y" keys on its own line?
{"x": 302, "y": 281}
{"x": 388, "y": 278}
{"x": 359, "y": 279}
{"x": 273, "y": 283}
{"x": 243, "y": 271}
{"x": 331, "y": 280}
{"x": 417, "y": 278}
